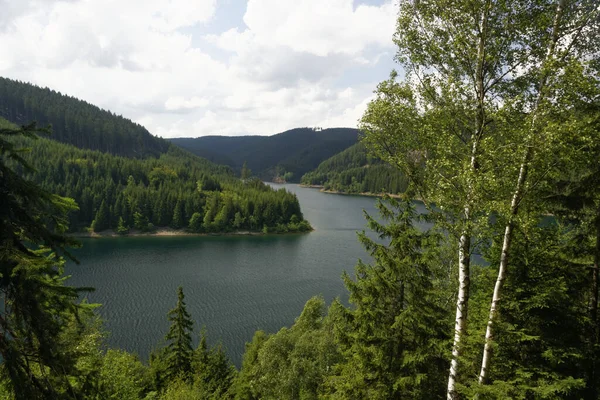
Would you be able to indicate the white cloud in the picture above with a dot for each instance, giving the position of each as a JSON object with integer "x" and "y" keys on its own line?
{"x": 320, "y": 27}
{"x": 179, "y": 103}
{"x": 135, "y": 58}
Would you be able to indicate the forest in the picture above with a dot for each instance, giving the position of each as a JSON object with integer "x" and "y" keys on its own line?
{"x": 355, "y": 171}
{"x": 495, "y": 125}
{"x": 125, "y": 179}
{"x": 77, "y": 122}
{"x": 176, "y": 190}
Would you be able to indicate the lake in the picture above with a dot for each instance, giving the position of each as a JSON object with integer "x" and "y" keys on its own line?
{"x": 234, "y": 285}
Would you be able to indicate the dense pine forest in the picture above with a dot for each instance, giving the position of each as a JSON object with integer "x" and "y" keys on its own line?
{"x": 354, "y": 171}
{"x": 123, "y": 178}
{"x": 176, "y": 190}
{"x": 76, "y": 122}
{"x": 495, "y": 126}
{"x": 284, "y": 156}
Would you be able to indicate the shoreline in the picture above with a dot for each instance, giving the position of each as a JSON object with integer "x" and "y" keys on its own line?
{"x": 366, "y": 194}
{"x": 170, "y": 232}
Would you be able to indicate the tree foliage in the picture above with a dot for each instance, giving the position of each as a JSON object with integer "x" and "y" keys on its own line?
{"x": 395, "y": 336}
{"x": 355, "y": 171}
{"x": 293, "y": 363}
{"x": 482, "y": 118}
{"x": 77, "y": 122}
{"x": 37, "y": 304}
{"x": 179, "y": 348}
{"x": 163, "y": 192}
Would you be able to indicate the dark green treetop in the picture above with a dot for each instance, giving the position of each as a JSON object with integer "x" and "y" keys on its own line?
{"x": 179, "y": 350}
{"x": 36, "y": 301}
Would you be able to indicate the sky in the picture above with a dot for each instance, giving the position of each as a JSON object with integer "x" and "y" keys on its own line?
{"x": 189, "y": 68}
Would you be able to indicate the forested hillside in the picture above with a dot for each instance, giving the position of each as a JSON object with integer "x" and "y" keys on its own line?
{"x": 354, "y": 171}
{"x": 77, "y": 122}
{"x": 177, "y": 189}
{"x": 287, "y": 155}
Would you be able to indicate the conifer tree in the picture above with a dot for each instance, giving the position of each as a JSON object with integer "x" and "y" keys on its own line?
{"x": 213, "y": 371}
{"x": 238, "y": 220}
{"x": 36, "y": 302}
{"x": 102, "y": 220}
{"x": 573, "y": 198}
{"x": 179, "y": 350}
{"x": 395, "y": 336}
{"x": 122, "y": 228}
{"x": 178, "y": 218}
{"x": 141, "y": 221}
{"x": 201, "y": 354}
{"x": 195, "y": 224}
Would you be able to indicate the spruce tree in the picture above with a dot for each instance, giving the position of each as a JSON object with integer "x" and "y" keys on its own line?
{"x": 541, "y": 333}
{"x": 195, "y": 224}
{"x": 36, "y": 302}
{"x": 573, "y": 197}
{"x": 102, "y": 220}
{"x": 122, "y": 228}
{"x": 394, "y": 338}
{"x": 178, "y": 218}
{"x": 141, "y": 222}
{"x": 179, "y": 350}
{"x": 213, "y": 371}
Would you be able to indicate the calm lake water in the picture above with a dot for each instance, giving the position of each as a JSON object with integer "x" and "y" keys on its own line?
{"x": 233, "y": 285}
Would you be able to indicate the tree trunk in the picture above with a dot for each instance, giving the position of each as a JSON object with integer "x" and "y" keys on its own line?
{"x": 464, "y": 243}
{"x": 462, "y": 303}
{"x": 595, "y": 271}
{"x": 516, "y": 200}
{"x": 595, "y": 336}
{"x": 508, "y": 234}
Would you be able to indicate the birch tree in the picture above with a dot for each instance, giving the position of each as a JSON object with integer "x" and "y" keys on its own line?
{"x": 454, "y": 124}
{"x": 565, "y": 72}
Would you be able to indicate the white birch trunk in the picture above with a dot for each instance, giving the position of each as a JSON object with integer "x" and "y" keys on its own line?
{"x": 515, "y": 203}
{"x": 595, "y": 331}
{"x": 462, "y": 304}
{"x": 464, "y": 243}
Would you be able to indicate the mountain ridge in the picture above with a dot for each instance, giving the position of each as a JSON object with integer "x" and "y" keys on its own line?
{"x": 288, "y": 155}
{"x": 77, "y": 122}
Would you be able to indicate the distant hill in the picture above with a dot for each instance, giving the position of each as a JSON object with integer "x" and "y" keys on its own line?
{"x": 289, "y": 154}
{"x": 77, "y": 122}
{"x": 354, "y": 171}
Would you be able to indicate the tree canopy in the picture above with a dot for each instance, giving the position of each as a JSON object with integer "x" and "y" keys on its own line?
{"x": 163, "y": 192}
{"x": 38, "y": 306}
{"x": 77, "y": 122}
{"x": 355, "y": 171}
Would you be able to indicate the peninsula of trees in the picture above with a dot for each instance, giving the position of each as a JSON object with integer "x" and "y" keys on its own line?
{"x": 355, "y": 171}
{"x": 123, "y": 178}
